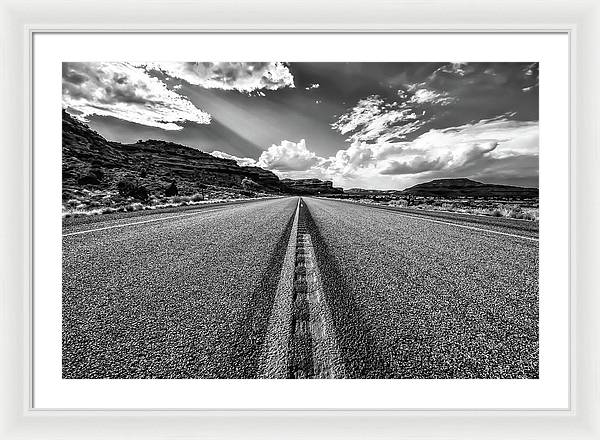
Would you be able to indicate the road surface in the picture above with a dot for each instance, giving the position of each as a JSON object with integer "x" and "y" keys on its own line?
{"x": 415, "y": 297}
{"x": 278, "y": 288}
{"x": 171, "y": 295}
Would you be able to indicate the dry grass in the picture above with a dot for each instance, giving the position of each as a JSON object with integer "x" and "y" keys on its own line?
{"x": 77, "y": 208}
{"x": 487, "y": 208}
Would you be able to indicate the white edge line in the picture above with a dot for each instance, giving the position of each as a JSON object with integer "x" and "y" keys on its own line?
{"x": 524, "y": 237}
{"x": 211, "y": 209}
{"x": 423, "y": 217}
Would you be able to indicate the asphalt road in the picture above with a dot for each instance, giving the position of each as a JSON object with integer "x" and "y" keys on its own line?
{"x": 180, "y": 295}
{"x": 189, "y": 294}
{"x": 415, "y": 297}
{"x": 500, "y": 224}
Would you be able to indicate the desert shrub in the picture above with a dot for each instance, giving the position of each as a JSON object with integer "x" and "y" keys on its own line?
{"x": 517, "y": 212}
{"x": 88, "y": 179}
{"x": 130, "y": 188}
{"x": 125, "y": 187}
{"x": 134, "y": 207}
{"x": 172, "y": 190}
{"x": 141, "y": 193}
{"x": 180, "y": 200}
{"x": 91, "y": 177}
{"x": 98, "y": 172}
{"x": 513, "y": 211}
{"x": 532, "y": 214}
{"x": 202, "y": 187}
{"x": 248, "y": 184}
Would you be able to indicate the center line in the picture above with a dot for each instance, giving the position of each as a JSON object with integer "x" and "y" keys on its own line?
{"x": 300, "y": 342}
{"x": 274, "y": 356}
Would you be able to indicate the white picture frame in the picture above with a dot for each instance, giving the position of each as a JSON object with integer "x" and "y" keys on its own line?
{"x": 20, "y": 20}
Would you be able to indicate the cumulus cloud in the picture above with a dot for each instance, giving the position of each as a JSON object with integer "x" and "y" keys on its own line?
{"x": 288, "y": 156}
{"x": 241, "y": 161}
{"x": 126, "y": 92}
{"x": 243, "y": 77}
{"x": 481, "y": 149}
{"x": 451, "y": 148}
{"x": 402, "y": 135}
{"x": 415, "y": 165}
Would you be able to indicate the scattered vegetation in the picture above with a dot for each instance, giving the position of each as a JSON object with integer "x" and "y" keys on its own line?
{"x": 521, "y": 209}
{"x": 131, "y": 195}
{"x": 92, "y": 177}
{"x": 131, "y": 188}
{"x": 172, "y": 190}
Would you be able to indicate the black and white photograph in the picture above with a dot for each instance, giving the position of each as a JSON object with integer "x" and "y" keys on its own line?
{"x": 300, "y": 220}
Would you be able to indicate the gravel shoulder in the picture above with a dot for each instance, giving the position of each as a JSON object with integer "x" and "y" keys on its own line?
{"x": 415, "y": 299}
{"x": 187, "y": 297}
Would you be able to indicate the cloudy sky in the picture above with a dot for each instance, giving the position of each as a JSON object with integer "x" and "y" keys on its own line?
{"x": 369, "y": 125}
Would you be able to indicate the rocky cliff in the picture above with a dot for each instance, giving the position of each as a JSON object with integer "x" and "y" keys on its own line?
{"x": 94, "y": 163}
{"x": 311, "y": 186}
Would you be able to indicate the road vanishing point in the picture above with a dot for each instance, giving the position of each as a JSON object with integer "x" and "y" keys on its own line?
{"x": 292, "y": 288}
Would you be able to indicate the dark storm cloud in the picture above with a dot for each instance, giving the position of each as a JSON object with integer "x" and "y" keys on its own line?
{"x": 71, "y": 76}
{"x": 414, "y": 166}
{"x": 521, "y": 170}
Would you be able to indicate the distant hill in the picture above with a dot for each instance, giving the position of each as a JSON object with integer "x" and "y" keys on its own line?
{"x": 90, "y": 162}
{"x": 468, "y": 188}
